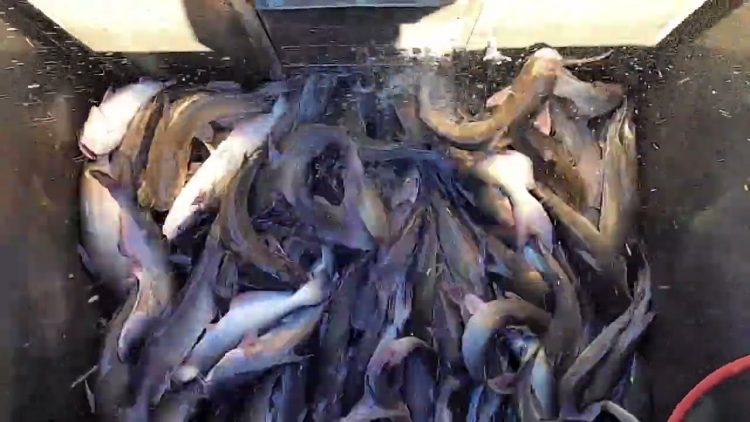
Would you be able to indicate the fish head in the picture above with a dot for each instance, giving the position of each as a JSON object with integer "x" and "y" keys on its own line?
{"x": 97, "y": 137}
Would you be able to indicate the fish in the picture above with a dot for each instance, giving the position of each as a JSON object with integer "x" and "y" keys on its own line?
{"x": 257, "y": 354}
{"x": 513, "y": 173}
{"x": 610, "y": 291}
{"x": 177, "y": 331}
{"x": 207, "y": 186}
{"x": 100, "y": 232}
{"x": 554, "y": 166}
{"x": 289, "y": 396}
{"x": 461, "y": 251}
{"x": 590, "y": 98}
{"x": 315, "y": 96}
{"x": 147, "y": 254}
{"x": 610, "y": 347}
{"x": 239, "y": 236}
{"x": 620, "y": 191}
{"x": 113, "y": 376}
{"x": 418, "y": 389}
{"x": 611, "y": 369}
{"x": 381, "y": 397}
{"x": 244, "y": 319}
{"x": 483, "y": 405}
{"x": 129, "y": 160}
{"x": 637, "y": 397}
{"x": 531, "y": 86}
{"x": 178, "y": 406}
{"x": 333, "y": 224}
{"x": 446, "y": 388}
{"x": 166, "y": 170}
{"x": 424, "y": 276}
{"x": 489, "y": 317}
{"x": 592, "y": 412}
{"x": 258, "y": 404}
{"x": 447, "y": 330}
{"x": 107, "y": 123}
{"x": 585, "y": 152}
{"x": 495, "y": 205}
{"x": 373, "y": 213}
{"x": 330, "y": 363}
{"x": 564, "y": 338}
{"x": 519, "y": 277}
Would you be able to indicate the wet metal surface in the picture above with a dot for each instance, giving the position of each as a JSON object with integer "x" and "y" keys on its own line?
{"x": 695, "y": 141}
{"x": 48, "y": 330}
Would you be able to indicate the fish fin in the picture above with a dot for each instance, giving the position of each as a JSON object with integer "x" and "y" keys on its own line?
{"x": 503, "y": 383}
{"x": 543, "y": 120}
{"x": 108, "y": 94}
{"x": 248, "y": 340}
{"x": 200, "y": 199}
{"x": 499, "y": 97}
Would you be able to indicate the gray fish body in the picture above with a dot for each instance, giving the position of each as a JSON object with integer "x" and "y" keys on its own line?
{"x": 100, "y": 232}
{"x": 522, "y": 279}
{"x": 113, "y": 376}
{"x": 146, "y": 252}
{"x": 491, "y": 317}
{"x": 447, "y": 331}
{"x": 258, "y": 405}
{"x": 248, "y": 314}
{"x": 614, "y": 365}
{"x": 610, "y": 291}
{"x": 334, "y": 224}
{"x": 424, "y": 276}
{"x": 177, "y": 406}
{"x": 638, "y": 317}
{"x": 289, "y": 395}
{"x": 446, "y": 388}
{"x": 331, "y": 359}
{"x": 544, "y": 384}
{"x": 178, "y": 331}
{"x": 564, "y": 336}
{"x": 245, "y": 316}
{"x": 166, "y": 170}
{"x": 483, "y": 405}
{"x": 585, "y": 151}
{"x": 315, "y": 96}
{"x": 460, "y": 249}
{"x": 619, "y": 197}
{"x": 419, "y": 389}
{"x": 271, "y": 349}
{"x": 238, "y": 235}
{"x": 129, "y": 160}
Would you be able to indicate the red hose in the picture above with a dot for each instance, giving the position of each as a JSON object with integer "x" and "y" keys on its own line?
{"x": 707, "y": 384}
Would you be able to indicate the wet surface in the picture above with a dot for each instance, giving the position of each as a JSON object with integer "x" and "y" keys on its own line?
{"x": 695, "y": 141}
{"x": 48, "y": 330}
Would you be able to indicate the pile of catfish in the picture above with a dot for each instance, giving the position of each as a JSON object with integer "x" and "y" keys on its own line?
{"x": 343, "y": 247}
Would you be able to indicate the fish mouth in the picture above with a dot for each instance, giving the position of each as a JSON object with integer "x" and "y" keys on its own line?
{"x": 88, "y": 153}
